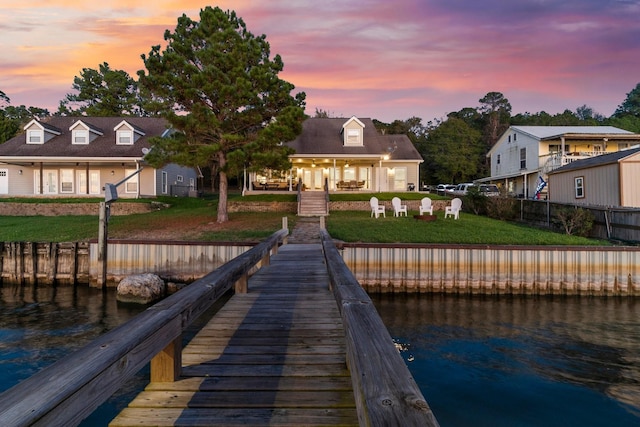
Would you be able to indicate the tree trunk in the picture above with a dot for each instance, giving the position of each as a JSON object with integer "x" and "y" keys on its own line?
{"x": 223, "y": 216}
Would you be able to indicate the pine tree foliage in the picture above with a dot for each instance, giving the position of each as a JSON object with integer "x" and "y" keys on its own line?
{"x": 219, "y": 89}
{"x": 102, "y": 93}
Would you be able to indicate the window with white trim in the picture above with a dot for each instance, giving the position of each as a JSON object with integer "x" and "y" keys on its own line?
{"x": 35, "y": 137}
{"x": 124, "y": 137}
{"x": 579, "y": 187}
{"x": 180, "y": 178}
{"x": 66, "y": 180}
{"x": 353, "y": 137}
{"x": 165, "y": 183}
{"x": 131, "y": 185}
{"x": 523, "y": 158}
{"x": 80, "y": 136}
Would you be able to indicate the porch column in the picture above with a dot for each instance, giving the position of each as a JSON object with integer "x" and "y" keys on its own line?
{"x": 41, "y": 178}
{"x": 334, "y": 175}
{"x": 87, "y": 178}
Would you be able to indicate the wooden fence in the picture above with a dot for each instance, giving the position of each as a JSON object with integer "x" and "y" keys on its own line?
{"x": 613, "y": 223}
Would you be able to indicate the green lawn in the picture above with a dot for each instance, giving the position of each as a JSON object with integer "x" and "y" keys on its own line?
{"x": 469, "y": 229}
{"x": 197, "y": 218}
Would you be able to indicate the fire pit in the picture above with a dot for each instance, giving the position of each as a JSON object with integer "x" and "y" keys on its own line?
{"x": 425, "y": 217}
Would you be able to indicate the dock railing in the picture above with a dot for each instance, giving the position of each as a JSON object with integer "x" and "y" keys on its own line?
{"x": 69, "y": 390}
{"x": 385, "y": 392}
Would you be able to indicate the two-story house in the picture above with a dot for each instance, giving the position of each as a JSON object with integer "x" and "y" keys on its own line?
{"x": 77, "y": 156}
{"x": 348, "y": 154}
{"x": 524, "y": 154}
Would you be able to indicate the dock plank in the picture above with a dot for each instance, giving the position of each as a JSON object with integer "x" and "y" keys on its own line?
{"x": 273, "y": 356}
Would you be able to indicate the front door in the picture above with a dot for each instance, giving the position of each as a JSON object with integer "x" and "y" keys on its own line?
{"x": 49, "y": 182}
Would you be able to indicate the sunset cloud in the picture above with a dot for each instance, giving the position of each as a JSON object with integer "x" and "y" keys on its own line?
{"x": 372, "y": 58}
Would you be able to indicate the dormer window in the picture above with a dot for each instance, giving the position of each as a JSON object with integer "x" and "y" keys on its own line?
{"x": 80, "y": 136}
{"x": 83, "y": 133}
{"x": 39, "y": 133}
{"x": 124, "y": 137}
{"x": 353, "y": 136}
{"x": 35, "y": 137}
{"x": 126, "y": 133}
{"x": 353, "y": 131}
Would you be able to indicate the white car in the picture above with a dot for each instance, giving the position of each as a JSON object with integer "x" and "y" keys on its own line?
{"x": 461, "y": 189}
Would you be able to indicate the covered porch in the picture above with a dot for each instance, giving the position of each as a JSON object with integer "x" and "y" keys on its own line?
{"x": 368, "y": 174}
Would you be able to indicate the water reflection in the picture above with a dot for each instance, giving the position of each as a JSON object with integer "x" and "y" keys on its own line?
{"x": 521, "y": 360}
{"x": 39, "y": 325}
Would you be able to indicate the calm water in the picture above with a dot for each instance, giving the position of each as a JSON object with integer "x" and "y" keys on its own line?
{"x": 479, "y": 361}
{"x": 525, "y": 361}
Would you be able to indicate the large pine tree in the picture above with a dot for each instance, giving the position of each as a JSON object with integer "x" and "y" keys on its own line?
{"x": 216, "y": 84}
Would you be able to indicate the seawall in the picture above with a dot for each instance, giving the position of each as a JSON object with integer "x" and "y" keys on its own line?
{"x": 411, "y": 268}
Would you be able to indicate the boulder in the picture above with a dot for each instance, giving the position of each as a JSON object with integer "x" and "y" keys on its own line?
{"x": 140, "y": 289}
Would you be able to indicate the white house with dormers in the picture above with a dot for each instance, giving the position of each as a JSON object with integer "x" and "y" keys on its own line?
{"x": 525, "y": 153}
{"x": 77, "y": 156}
{"x": 349, "y": 154}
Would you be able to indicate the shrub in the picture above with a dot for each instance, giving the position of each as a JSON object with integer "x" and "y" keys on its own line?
{"x": 575, "y": 221}
{"x": 475, "y": 201}
{"x": 502, "y": 207}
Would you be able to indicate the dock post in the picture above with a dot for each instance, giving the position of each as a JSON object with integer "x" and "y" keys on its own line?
{"x": 166, "y": 365}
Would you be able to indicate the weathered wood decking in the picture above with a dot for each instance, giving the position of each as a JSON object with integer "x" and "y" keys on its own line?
{"x": 272, "y": 356}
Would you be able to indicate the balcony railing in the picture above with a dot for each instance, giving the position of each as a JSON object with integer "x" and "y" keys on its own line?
{"x": 554, "y": 161}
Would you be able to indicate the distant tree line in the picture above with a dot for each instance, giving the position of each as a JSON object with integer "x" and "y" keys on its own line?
{"x": 455, "y": 148}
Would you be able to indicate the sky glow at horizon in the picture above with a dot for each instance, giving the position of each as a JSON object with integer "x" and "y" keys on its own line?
{"x": 369, "y": 58}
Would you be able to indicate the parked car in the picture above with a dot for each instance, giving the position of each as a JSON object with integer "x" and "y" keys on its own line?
{"x": 461, "y": 189}
{"x": 490, "y": 190}
{"x": 443, "y": 189}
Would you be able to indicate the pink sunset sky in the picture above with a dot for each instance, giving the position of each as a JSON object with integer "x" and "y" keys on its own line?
{"x": 381, "y": 59}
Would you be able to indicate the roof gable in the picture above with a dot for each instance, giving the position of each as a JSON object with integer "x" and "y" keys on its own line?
{"x": 86, "y": 126}
{"x": 323, "y": 136}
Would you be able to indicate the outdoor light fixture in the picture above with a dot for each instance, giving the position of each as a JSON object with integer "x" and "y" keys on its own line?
{"x": 112, "y": 173}
{"x": 19, "y": 171}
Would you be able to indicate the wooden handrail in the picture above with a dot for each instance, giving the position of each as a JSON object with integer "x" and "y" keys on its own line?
{"x": 385, "y": 392}
{"x": 66, "y": 392}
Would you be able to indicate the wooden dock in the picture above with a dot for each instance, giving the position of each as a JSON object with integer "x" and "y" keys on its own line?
{"x": 273, "y": 356}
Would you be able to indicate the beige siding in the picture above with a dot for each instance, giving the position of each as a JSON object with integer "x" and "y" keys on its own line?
{"x": 601, "y": 186}
{"x": 630, "y": 177}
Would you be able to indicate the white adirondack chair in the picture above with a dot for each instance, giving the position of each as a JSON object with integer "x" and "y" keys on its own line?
{"x": 377, "y": 209}
{"x": 398, "y": 207}
{"x": 426, "y": 206}
{"x": 454, "y": 208}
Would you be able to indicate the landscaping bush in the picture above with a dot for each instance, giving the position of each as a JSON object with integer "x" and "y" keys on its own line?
{"x": 502, "y": 207}
{"x": 475, "y": 201}
{"x": 576, "y": 222}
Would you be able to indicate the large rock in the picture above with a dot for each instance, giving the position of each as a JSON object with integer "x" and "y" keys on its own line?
{"x": 141, "y": 289}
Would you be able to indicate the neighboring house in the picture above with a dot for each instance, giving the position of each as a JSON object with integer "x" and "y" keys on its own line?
{"x": 77, "y": 156}
{"x": 607, "y": 180}
{"x": 350, "y": 155}
{"x": 525, "y": 153}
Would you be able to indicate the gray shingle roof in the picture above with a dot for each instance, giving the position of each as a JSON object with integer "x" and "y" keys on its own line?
{"x": 543, "y": 132}
{"x": 102, "y": 146}
{"x": 323, "y": 137}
